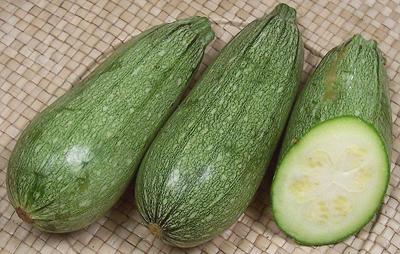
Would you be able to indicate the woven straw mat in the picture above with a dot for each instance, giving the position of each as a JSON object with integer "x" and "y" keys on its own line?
{"x": 46, "y": 46}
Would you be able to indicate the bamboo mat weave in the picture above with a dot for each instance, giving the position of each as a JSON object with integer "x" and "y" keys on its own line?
{"x": 47, "y": 45}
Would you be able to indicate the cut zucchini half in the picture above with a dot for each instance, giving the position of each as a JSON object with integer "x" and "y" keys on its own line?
{"x": 331, "y": 183}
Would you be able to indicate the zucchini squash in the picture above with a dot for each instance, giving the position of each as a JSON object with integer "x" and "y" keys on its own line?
{"x": 75, "y": 159}
{"x": 335, "y": 160}
{"x": 206, "y": 163}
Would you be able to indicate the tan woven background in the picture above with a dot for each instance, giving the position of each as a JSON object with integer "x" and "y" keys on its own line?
{"x": 46, "y": 46}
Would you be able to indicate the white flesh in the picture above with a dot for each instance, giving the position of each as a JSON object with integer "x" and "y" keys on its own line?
{"x": 330, "y": 184}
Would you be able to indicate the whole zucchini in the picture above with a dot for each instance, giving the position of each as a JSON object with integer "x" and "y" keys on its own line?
{"x": 205, "y": 165}
{"x": 75, "y": 159}
{"x": 335, "y": 161}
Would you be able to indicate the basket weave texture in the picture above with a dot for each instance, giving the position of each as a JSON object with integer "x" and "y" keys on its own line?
{"x": 46, "y": 46}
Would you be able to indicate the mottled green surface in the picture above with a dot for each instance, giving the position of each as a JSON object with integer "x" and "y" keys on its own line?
{"x": 75, "y": 159}
{"x": 350, "y": 81}
{"x": 205, "y": 165}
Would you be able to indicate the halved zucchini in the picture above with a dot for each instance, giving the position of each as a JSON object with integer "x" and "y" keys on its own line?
{"x": 334, "y": 166}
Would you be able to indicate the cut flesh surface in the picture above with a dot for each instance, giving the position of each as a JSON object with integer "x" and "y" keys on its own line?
{"x": 330, "y": 184}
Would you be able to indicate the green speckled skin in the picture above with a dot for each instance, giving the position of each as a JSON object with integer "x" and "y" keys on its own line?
{"x": 205, "y": 165}
{"x": 75, "y": 159}
{"x": 350, "y": 81}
